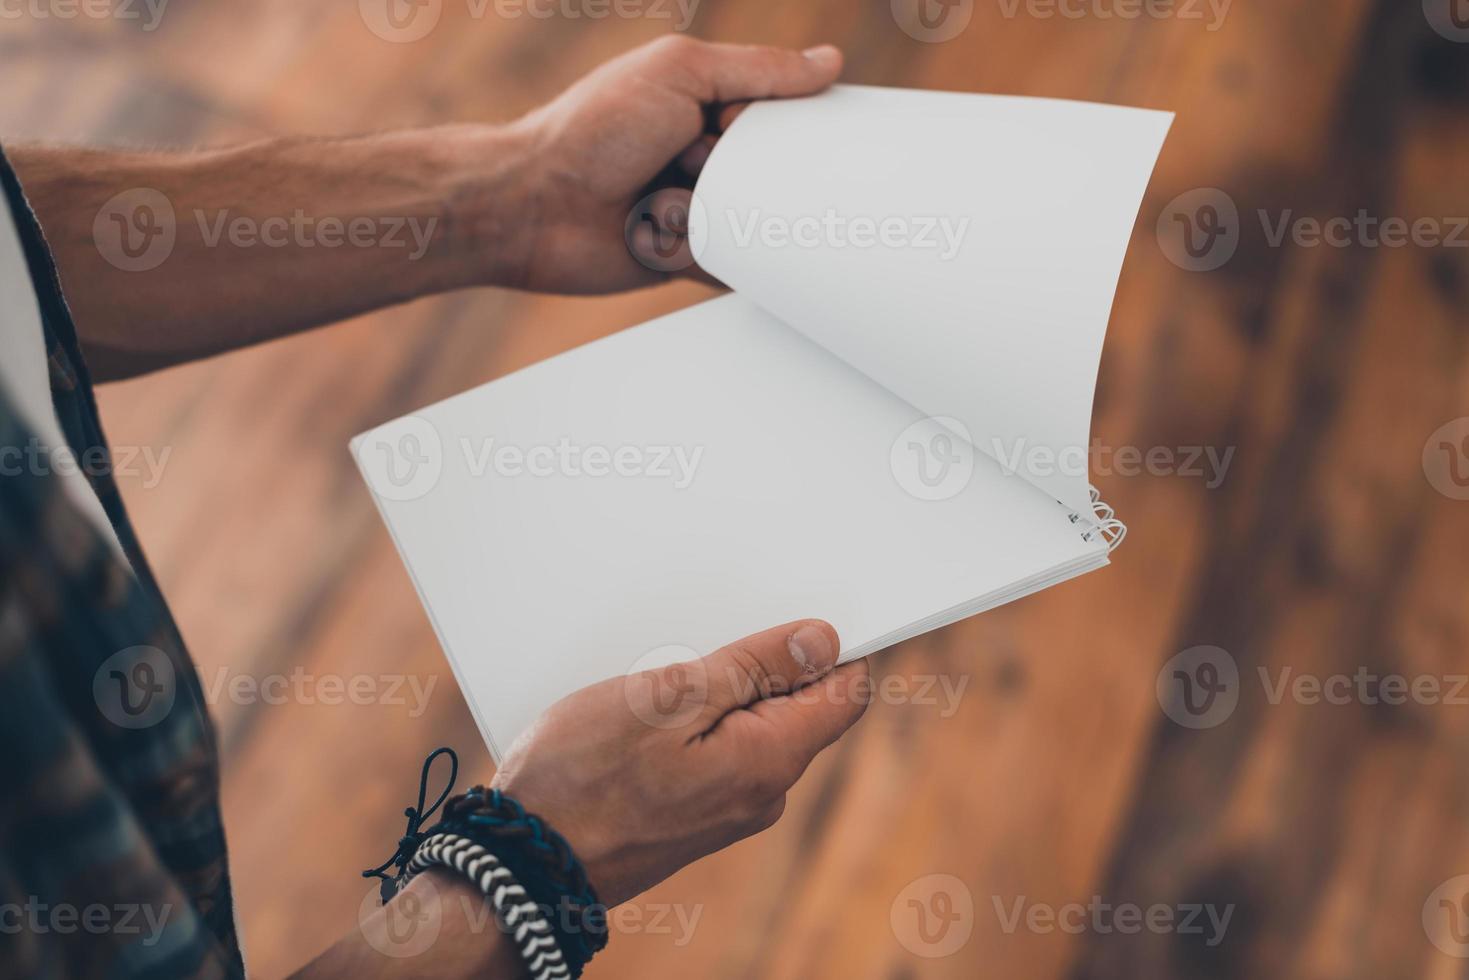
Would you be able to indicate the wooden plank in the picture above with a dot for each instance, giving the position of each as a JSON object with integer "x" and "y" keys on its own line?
{"x": 1057, "y": 777}
{"x": 1290, "y": 811}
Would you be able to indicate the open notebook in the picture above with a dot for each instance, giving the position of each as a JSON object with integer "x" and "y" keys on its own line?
{"x": 885, "y": 425}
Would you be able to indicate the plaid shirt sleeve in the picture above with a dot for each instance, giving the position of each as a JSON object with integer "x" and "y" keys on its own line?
{"x": 112, "y": 852}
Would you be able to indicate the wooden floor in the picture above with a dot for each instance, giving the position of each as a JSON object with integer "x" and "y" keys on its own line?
{"x": 1060, "y": 779}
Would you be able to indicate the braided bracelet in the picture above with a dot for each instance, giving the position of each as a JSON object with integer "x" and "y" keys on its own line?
{"x": 520, "y": 917}
{"x": 516, "y": 849}
{"x": 542, "y": 860}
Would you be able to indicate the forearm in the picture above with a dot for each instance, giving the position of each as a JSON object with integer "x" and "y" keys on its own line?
{"x": 272, "y": 237}
{"x": 439, "y": 926}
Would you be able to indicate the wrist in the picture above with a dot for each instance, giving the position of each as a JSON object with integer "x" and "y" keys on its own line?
{"x": 491, "y": 201}
{"x": 531, "y": 870}
{"x": 472, "y": 942}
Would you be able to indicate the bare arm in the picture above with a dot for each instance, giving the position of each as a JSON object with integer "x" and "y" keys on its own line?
{"x": 165, "y": 257}
{"x": 439, "y": 925}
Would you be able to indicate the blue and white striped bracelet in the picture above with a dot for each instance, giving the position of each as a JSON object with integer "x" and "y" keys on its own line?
{"x": 521, "y": 916}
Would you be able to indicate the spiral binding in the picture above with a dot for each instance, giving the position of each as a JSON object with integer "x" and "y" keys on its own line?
{"x": 1112, "y": 530}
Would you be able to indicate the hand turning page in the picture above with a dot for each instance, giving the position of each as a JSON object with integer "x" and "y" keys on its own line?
{"x": 922, "y": 286}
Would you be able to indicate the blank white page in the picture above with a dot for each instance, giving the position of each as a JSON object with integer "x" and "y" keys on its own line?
{"x": 541, "y": 584}
{"x": 987, "y": 297}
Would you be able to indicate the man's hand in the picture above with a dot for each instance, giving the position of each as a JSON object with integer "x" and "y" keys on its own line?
{"x": 165, "y": 257}
{"x": 642, "y": 124}
{"x": 643, "y": 775}
{"x": 647, "y": 773}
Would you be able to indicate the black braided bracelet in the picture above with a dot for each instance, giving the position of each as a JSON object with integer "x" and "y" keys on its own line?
{"x": 517, "y": 860}
{"x": 542, "y": 862}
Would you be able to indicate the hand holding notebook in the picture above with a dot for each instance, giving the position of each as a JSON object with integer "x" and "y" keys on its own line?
{"x": 922, "y": 286}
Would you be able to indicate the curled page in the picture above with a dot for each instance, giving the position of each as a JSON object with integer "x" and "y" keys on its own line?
{"x": 961, "y": 250}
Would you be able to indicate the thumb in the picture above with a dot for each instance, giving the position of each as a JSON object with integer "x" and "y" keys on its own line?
{"x": 787, "y": 732}
{"x": 768, "y": 664}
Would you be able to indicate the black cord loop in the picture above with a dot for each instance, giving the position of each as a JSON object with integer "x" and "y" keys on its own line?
{"x": 417, "y": 817}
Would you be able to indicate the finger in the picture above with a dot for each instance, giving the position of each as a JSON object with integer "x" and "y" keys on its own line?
{"x": 739, "y": 72}
{"x": 692, "y": 159}
{"x": 768, "y": 664}
{"x": 789, "y": 732}
{"x": 658, "y": 231}
{"x": 728, "y": 114}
